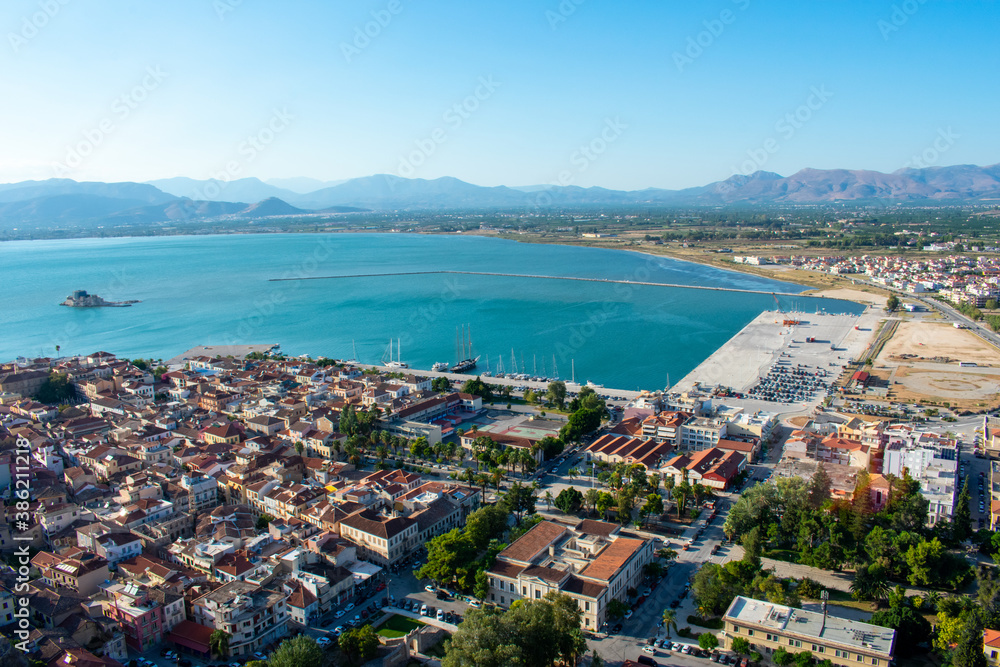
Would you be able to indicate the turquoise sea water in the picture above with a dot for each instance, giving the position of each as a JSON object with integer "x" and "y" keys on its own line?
{"x": 214, "y": 290}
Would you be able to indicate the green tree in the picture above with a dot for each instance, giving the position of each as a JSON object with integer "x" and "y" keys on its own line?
{"x": 969, "y": 652}
{"x": 478, "y": 388}
{"x": 519, "y": 501}
{"x": 617, "y": 608}
{"x": 708, "y": 641}
{"x": 782, "y": 658}
{"x": 870, "y": 583}
{"x": 218, "y": 643}
{"x": 753, "y": 546}
{"x": 580, "y": 423}
{"x": 653, "y": 506}
{"x": 892, "y": 303}
{"x": 626, "y": 504}
{"x": 359, "y": 643}
{"x": 56, "y": 390}
{"x": 487, "y": 523}
{"x": 441, "y": 384}
{"x": 804, "y": 659}
{"x": 450, "y": 558}
{"x": 669, "y": 620}
{"x": 605, "y": 501}
{"x": 263, "y": 520}
{"x": 911, "y": 627}
{"x": 741, "y": 646}
{"x": 961, "y": 522}
{"x": 569, "y": 500}
{"x": 301, "y": 651}
{"x": 556, "y": 393}
{"x": 819, "y": 487}
{"x": 534, "y": 633}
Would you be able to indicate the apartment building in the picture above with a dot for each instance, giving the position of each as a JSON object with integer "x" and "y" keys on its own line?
{"x": 845, "y": 643}
{"x": 699, "y": 433}
{"x": 935, "y": 466}
{"x": 380, "y": 539}
{"x": 78, "y": 570}
{"x": 145, "y": 614}
{"x": 253, "y": 616}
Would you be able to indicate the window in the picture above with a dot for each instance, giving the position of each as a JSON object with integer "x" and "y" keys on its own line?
{"x": 586, "y": 606}
{"x": 874, "y": 661}
{"x": 502, "y": 601}
{"x": 750, "y": 633}
{"x": 538, "y": 594}
{"x": 524, "y": 590}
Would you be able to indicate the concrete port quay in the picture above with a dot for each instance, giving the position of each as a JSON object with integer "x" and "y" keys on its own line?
{"x": 820, "y": 341}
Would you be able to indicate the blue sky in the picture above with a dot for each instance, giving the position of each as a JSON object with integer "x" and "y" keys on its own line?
{"x": 143, "y": 90}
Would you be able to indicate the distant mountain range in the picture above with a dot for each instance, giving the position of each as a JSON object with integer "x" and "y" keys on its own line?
{"x": 67, "y": 203}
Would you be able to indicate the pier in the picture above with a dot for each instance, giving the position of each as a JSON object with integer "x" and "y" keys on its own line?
{"x": 537, "y": 277}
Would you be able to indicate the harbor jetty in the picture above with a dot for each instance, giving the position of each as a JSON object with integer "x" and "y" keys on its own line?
{"x": 536, "y": 277}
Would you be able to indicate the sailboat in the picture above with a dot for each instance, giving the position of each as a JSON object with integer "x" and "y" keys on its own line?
{"x": 390, "y": 363}
{"x": 463, "y": 345}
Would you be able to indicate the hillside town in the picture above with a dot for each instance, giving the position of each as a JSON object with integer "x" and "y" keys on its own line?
{"x": 960, "y": 279}
{"x": 213, "y": 509}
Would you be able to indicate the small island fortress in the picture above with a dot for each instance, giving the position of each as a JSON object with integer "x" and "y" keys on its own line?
{"x": 81, "y": 299}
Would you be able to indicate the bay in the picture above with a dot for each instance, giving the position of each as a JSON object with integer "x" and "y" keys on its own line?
{"x": 213, "y": 290}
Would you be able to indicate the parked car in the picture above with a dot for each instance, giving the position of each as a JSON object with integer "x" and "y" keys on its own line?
{"x": 649, "y": 649}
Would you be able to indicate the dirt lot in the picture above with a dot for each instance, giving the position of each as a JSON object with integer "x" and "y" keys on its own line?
{"x": 926, "y": 341}
{"x": 860, "y": 296}
{"x": 920, "y": 364}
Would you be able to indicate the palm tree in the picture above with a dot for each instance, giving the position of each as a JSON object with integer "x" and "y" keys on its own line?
{"x": 497, "y": 478}
{"x": 572, "y": 473}
{"x": 870, "y": 584}
{"x": 669, "y": 620}
{"x": 548, "y": 499}
{"x": 483, "y": 480}
{"x": 218, "y": 643}
{"x": 381, "y": 452}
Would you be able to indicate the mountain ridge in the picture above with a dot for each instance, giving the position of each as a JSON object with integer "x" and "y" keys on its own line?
{"x": 86, "y": 203}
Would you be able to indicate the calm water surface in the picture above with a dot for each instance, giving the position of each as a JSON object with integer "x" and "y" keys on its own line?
{"x": 204, "y": 290}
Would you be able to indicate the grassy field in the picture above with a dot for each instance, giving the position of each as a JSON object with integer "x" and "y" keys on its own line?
{"x": 398, "y": 626}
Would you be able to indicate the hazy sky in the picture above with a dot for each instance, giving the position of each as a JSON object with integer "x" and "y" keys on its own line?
{"x": 626, "y": 94}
